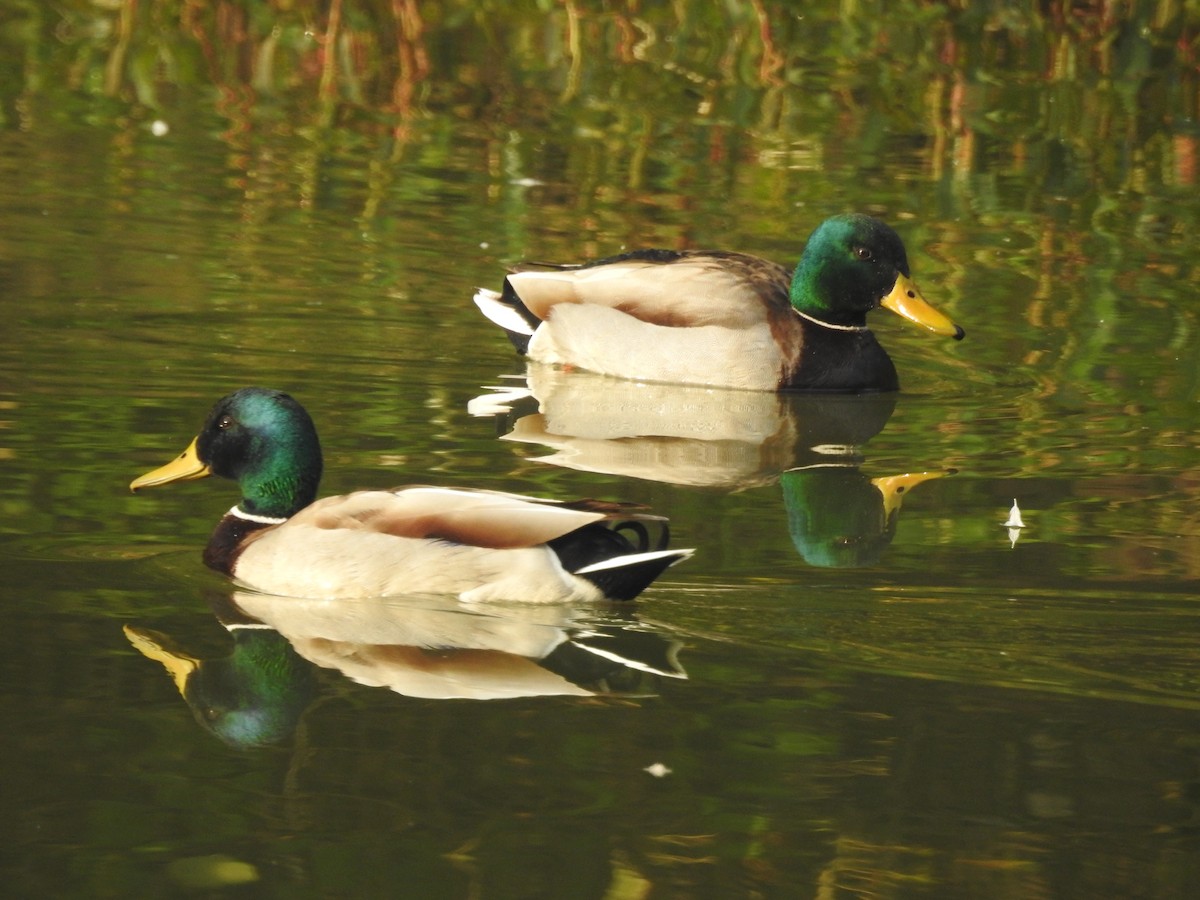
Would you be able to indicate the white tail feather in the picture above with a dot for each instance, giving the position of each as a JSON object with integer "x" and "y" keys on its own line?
{"x": 633, "y": 559}
{"x": 501, "y": 313}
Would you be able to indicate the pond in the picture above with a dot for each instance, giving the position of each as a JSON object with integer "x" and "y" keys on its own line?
{"x": 865, "y": 682}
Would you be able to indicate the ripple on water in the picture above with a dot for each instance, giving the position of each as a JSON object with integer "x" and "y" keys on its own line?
{"x": 1103, "y": 644}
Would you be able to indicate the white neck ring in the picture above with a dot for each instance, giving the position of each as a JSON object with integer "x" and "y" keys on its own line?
{"x": 251, "y": 517}
{"x": 817, "y": 321}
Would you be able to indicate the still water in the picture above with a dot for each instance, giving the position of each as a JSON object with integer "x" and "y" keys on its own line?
{"x": 863, "y": 684}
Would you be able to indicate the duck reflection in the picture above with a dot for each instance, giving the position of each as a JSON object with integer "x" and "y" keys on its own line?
{"x": 810, "y": 443}
{"x": 840, "y": 518}
{"x": 678, "y": 434}
{"x": 427, "y": 647}
{"x": 252, "y": 697}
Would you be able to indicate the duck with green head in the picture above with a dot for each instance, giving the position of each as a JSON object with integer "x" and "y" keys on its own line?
{"x": 724, "y": 319}
{"x": 474, "y": 544}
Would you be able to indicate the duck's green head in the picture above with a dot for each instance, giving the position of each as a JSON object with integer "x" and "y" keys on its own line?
{"x": 262, "y": 439}
{"x": 853, "y": 264}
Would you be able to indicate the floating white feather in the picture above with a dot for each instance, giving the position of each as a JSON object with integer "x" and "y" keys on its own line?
{"x": 1014, "y": 517}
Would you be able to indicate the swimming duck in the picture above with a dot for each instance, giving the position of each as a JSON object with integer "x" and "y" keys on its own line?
{"x": 724, "y": 319}
{"x": 474, "y": 544}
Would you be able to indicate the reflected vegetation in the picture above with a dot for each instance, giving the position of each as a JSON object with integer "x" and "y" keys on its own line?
{"x": 427, "y": 647}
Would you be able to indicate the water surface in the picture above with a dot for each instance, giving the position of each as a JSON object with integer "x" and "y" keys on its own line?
{"x": 849, "y": 691}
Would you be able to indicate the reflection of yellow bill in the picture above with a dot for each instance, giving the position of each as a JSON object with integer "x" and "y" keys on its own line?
{"x": 153, "y": 646}
{"x": 894, "y": 487}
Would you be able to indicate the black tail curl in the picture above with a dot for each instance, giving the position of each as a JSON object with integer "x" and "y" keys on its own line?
{"x": 600, "y": 541}
{"x": 643, "y": 534}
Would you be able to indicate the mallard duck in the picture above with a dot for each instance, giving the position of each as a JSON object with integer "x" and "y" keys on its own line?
{"x": 477, "y": 545}
{"x": 724, "y": 319}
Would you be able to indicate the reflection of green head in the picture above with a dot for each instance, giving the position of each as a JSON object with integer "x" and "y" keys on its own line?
{"x": 839, "y": 518}
{"x": 252, "y": 697}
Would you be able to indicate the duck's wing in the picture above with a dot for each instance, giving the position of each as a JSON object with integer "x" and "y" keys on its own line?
{"x": 474, "y": 518}
{"x": 663, "y": 287}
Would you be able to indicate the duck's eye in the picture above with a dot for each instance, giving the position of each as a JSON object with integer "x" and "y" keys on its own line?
{"x": 225, "y": 422}
{"x": 864, "y": 253}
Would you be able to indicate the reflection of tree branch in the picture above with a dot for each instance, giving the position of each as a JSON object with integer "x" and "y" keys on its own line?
{"x": 771, "y": 61}
{"x": 410, "y": 51}
{"x": 329, "y": 59}
{"x": 115, "y": 70}
{"x": 573, "y": 50}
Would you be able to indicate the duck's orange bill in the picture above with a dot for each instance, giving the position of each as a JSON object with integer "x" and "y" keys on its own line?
{"x": 185, "y": 467}
{"x": 905, "y": 300}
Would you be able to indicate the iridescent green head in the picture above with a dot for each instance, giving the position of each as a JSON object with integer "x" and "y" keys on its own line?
{"x": 262, "y": 439}
{"x": 853, "y": 264}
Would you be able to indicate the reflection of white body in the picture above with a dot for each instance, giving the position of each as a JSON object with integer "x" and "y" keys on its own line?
{"x": 432, "y": 647}
{"x": 679, "y": 434}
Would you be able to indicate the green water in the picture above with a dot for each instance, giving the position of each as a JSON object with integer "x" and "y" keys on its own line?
{"x": 199, "y": 197}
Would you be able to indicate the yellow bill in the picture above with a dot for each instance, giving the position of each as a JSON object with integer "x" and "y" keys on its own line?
{"x": 905, "y": 300}
{"x": 185, "y": 467}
